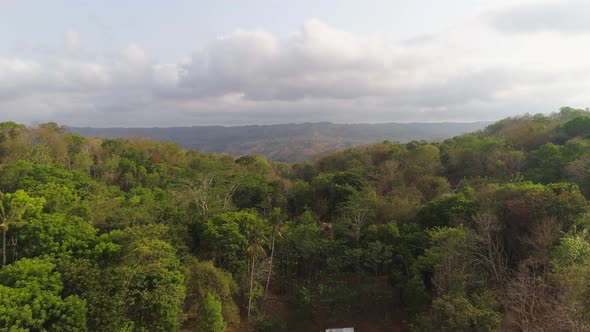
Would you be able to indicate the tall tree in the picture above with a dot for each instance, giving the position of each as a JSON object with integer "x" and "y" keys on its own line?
{"x": 14, "y": 208}
{"x": 255, "y": 249}
{"x": 277, "y": 221}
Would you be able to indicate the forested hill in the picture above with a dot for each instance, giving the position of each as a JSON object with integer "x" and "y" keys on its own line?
{"x": 487, "y": 231}
{"x": 289, "y": 142}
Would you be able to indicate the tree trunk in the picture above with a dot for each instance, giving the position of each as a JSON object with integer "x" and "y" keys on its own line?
{"x": 14, "y": 242}
{"x": 3, "y": 246}
{"x": 358, "y": 269}
{"x": 272, "y": 252}
{"x": 251, "y": 286}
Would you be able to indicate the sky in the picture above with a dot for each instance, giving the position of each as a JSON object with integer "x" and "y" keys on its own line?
{"x": 181, "y": 63}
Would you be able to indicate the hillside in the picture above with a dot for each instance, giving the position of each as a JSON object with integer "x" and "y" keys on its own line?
{"x": 288, "y": 142}
{"x": 486, "y": 231}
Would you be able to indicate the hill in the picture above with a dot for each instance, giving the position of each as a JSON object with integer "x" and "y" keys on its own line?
{"x": 288, "y": 142}
{"x": 486, "y": 231}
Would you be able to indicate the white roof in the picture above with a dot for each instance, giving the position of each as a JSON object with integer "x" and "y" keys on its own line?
{"x": 345, "y": 329}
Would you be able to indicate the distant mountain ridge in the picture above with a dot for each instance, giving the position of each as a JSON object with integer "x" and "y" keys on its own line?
{"x": 288, "y": 142}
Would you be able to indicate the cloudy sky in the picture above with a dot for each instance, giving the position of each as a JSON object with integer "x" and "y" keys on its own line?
{"x": 188, "y": 62}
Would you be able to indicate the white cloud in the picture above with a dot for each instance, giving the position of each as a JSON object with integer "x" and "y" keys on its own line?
{"x": 473, "y": 71}
{"x": 72, "y": 41}
{"x": 561, "y": 16}
{"x": 318, "y": 61}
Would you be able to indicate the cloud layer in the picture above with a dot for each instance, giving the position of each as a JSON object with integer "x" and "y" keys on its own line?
{"x": 562, "y": 16}
{"x": 530, "y": 57}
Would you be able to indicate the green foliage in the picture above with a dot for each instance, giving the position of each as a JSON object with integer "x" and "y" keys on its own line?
{"x": 571, "y": 273}
{"x": 252, "y": 191}
{"x": 254, "y": 164}
{"x": 358, "y": 212}
{"x": 30, "y": 299}
{"x": 433, "y": 187}
{"x": 546, "y": 163}
{"x": 138, "y": 235}
{"x": 27, "y": 176}
{"x": 415, "y": 296}
{"x": 268, "y": 323}
{"x": 154, "y": 282}
{"x": 299, "y": 198}
{"x": 579, "y": 126}
{"x": 448, "y": 210}
{"x": 571, "y": 250}
{"x": 329, "y": 191}
{"x": 455, "y": 312}
{"x": 226, "y": 237}
{"x": 59, "y": 198}
{"x": 15, "y": 211}
{"x": 472, "y": 156}
{"x": 203, "y": 278}
{"x": 526, "y": 132}
{"x": 209, "y": 317}
{"x": 19, "y": 206}
{"x": 57, "y": 234}
{"x": 447, "y": 243}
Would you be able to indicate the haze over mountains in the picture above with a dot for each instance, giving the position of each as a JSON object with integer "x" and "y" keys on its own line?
{"x": 288, "y": 142}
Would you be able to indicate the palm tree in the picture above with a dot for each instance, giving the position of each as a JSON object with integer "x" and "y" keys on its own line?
{"x": 277, "y": 221}
{"x": 255, "y": 249}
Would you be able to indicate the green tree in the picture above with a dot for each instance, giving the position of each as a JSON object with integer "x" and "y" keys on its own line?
{"x": 455, "y": 312}
{"x": 449, "y": 210}
{"x": 154, "y": 283}
{"x": 56, "y": 234}
{"x": 470, "y": 156}
{"x": 10, "y": 144}
{"x": 30, "y": 299}
{"x": 571, "y": 271}
{"x": 252, "y": 191}
{"x": 432, "y": 187}
{"x": 546, "y": 164}
{"x": 202, "y": 278}
{"x": 15, "y": 209}
{"x": 329, "y": 191}
{"x": 359, "y": 211}
{"x": 579, "y": 126}
{"x": 209, "y": 318}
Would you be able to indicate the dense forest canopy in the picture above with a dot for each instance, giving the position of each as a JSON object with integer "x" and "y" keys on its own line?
{"x": 482, "y": 232}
